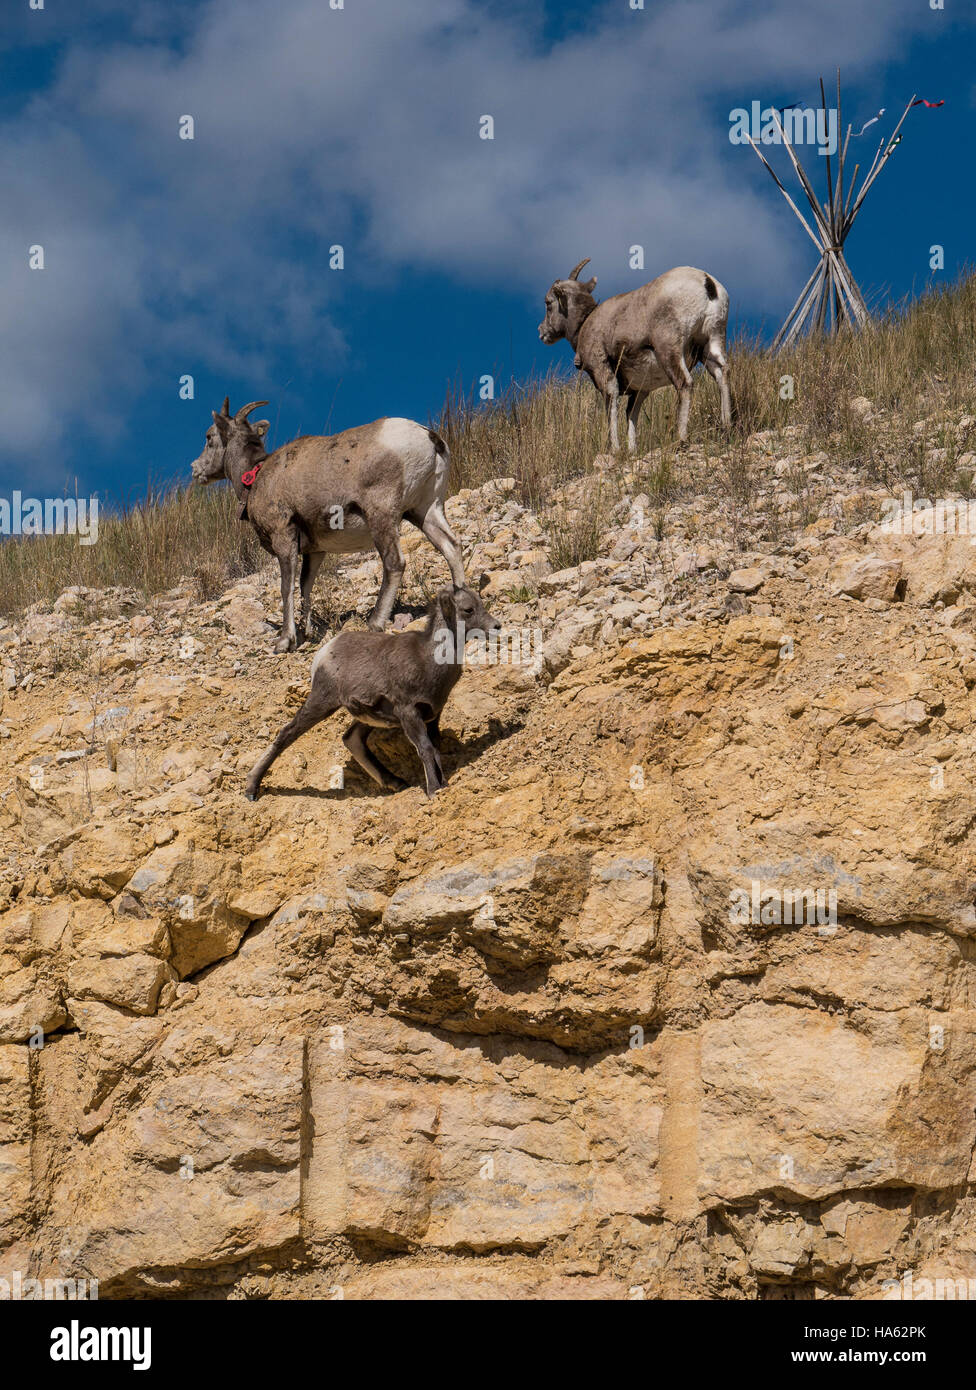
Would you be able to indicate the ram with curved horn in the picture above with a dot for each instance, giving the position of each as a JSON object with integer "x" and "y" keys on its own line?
{"x": 633, "y": 343}
{"x": 333, "y": 494}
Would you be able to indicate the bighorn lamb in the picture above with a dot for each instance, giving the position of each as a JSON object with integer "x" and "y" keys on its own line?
{"x": 329, "y": 494}
{"x": 633, "y": 343}
{"x": 389, "y": 680}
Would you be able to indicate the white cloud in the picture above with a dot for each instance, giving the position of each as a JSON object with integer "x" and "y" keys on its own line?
{"x": 361, "y": 126}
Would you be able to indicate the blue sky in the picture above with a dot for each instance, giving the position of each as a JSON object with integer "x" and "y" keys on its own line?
{"x": 360, "y": 127}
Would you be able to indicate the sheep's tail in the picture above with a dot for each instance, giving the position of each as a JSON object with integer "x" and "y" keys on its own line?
{"x": 716, "y": 311}
{"x": 443, "y": 468}
{"x": 439, "y": 445}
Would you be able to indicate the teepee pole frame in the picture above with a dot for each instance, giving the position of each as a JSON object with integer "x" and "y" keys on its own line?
{"x": 831, "y": 298}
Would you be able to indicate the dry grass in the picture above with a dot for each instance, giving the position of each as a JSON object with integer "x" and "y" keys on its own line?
{"x": 185, "y": 533}
{"x": 912, "y": 364}
{"x": 542, "y": 436}
{"x": 906, "y": 363}
{"x": 575, "y": 533}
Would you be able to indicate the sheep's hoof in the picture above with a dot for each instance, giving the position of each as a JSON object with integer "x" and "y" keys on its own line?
{"x": 284, "y": 644}
{"x": 251, "y": 793}
{"x": 375, "y": 625}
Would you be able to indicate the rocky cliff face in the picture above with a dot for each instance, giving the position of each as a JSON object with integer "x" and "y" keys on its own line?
{"x": 672, "y": 992}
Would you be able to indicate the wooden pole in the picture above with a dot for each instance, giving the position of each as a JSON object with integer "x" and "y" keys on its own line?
{"x": 824, "y": 300}
{"x": 859, "y": 300}
{"x": 830, "y": 177}
{"x": 818, "y": 243}
{"x": 797, "y": 330}
{"x": 842, "y": 152}
{"x": 831, "y": 294}
{"x": 830, "y": 246}
{"x": 850, "y": 195}
{"x": 874, "y": 163}
{"x": 842, "y": 271}
{"x": 788, "y": 337}
{"x": 804, "y": 181}
{"x": 887, "y": 155}
{"x": 801, "y": 297}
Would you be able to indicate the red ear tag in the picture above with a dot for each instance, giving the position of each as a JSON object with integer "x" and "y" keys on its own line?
{"x": 248, "y": 478}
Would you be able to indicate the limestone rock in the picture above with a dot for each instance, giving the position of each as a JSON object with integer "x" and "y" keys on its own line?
{"x": 669, "y": 993}
{"x": 868, "y": 576}
{"x": 746, "y": 581}
{"x": 132, "y": 981}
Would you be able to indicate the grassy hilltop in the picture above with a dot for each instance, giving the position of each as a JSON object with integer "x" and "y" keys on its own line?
{"x": 908, "y": 366}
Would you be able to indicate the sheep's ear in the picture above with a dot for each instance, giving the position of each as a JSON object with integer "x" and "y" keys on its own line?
{"x": 590, "y": 285}
{"x": 226, "y": 409}
{"x": 219, "y": 420}
{"x": 483, "y": 583}
{"x": 561, "y": 299}
{"x": 261, "y": 427}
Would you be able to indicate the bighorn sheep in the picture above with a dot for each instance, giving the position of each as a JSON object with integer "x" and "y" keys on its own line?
{"x": 389, "y": 680}
{"x": 328, "y": 494}
{"x": 633, "y": 343}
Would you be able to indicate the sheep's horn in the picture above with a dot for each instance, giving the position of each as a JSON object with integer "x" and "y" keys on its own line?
{"x": 574, "y": 274}
{"x": 245, "y": 410}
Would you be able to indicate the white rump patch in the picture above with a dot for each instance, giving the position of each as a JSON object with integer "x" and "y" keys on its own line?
{"x": 399, "y": 434}
{"x": 414, "y": 447}
{"x": 321, "y": 655}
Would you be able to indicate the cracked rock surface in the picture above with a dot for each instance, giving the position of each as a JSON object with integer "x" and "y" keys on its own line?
{"x": 673, "y": 988}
